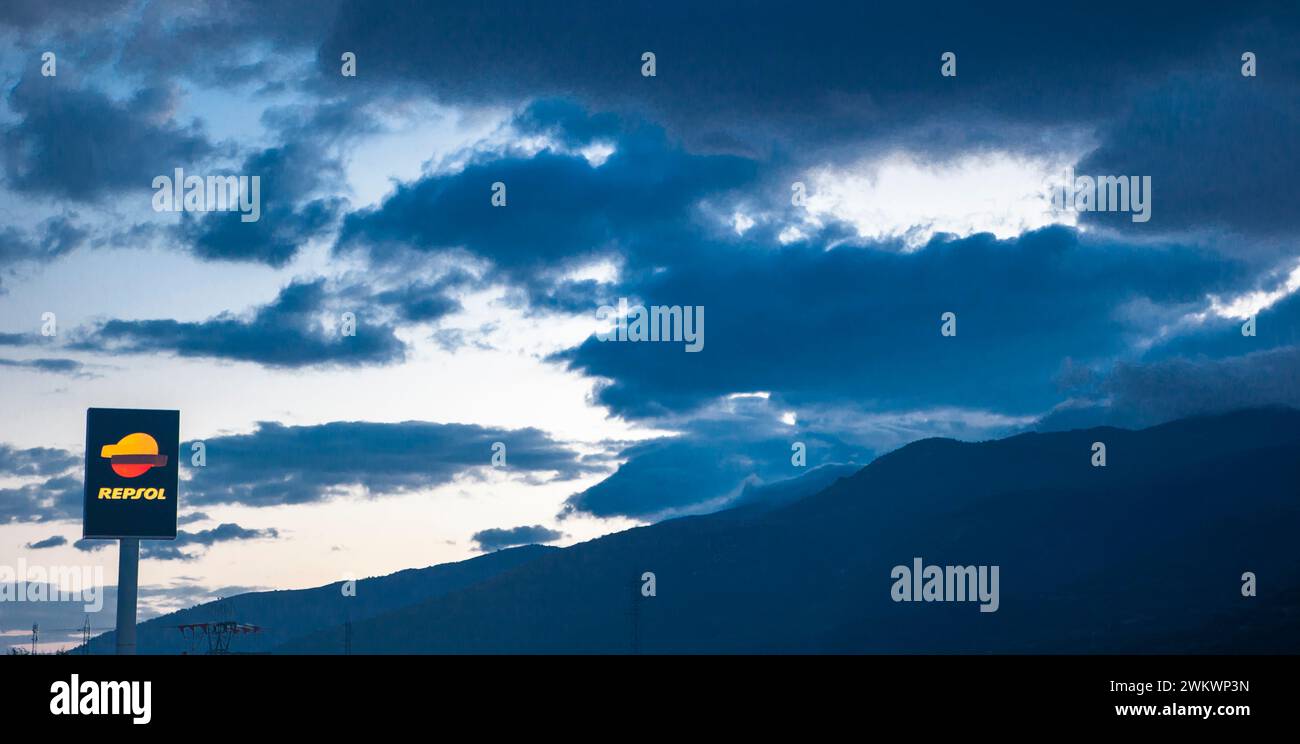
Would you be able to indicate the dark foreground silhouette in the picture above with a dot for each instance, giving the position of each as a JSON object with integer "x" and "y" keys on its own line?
{"x": 1144, "y": 555}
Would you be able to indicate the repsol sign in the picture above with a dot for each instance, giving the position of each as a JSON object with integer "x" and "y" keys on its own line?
{"x": 131, "y": 473}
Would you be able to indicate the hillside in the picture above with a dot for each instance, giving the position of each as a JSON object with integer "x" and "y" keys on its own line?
{"x": 1143, "y": 555}
{"x": 287, "y": 614}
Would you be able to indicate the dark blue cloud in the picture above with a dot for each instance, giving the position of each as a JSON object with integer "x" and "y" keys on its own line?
{"x": 560, "y": 208}
{"x": 158, "y": 550}
{"x": 1215, "y": 145}
{"x": 1175, "y": 388}
{"x": 26, "y": 14}
{"x": 711, "y": 465}
{"x": 221, "y": 533}
{"x": 277, "y": 464}
{"x": 663, "y": 475}
{"x": 732, "y": 73}
{"x": 53, "y": 238}
{"x": 427, "y": 301}
{"x": 569, "y": 124}
{"x": 288, "y": 176}
{"x": 1138, "y": 394}
{"x": 173, "y": 550}
{"x": 53, "y": 499}
{"x": 53, "y": 366}
{"x": 284, "y": 333}
{"x": 498, "y": 538}
{"x": 56, "y": 496}
{"x": 54, "y": 541}
{"x": 1209, "y": 368}
{"x": 863, "y": 324}
{"x": 1205, "y": 368}
{"x": 35, "y": 461}
{"x": 79, "y": 144}
{"x": 860, "y": 321}
{"x": 729, "y": 72}
{"x": 1275, "y": 326}
{"x": 183, "y": 41}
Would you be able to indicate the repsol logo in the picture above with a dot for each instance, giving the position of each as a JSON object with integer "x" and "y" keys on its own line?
{"x": 134, "y": 494}
{"x": 92, "y": 698}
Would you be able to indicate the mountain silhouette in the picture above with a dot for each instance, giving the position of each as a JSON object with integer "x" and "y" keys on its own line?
{"x": 1143, "y": 555}
{"x": 286, "y": 614}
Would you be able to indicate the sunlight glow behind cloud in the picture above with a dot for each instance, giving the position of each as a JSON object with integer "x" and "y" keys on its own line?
{"x": 902, "y": 196}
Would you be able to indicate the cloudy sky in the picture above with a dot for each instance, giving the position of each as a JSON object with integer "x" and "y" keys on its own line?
{"x": 804, "y": 172}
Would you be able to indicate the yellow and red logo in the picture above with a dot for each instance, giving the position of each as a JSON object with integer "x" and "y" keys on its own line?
{"x": 133, "y": 455}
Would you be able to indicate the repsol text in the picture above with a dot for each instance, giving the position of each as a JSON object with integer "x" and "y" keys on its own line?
{"x": 134, "y": 494}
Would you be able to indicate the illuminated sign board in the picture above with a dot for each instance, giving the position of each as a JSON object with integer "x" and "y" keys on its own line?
{"x": 132, "y": 470}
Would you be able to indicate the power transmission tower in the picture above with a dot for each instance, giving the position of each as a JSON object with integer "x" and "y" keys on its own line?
{"x": 217, "y": 636}
{"x": 86, "y": 630}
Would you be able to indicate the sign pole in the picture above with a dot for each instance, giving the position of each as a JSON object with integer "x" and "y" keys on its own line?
{"x": 128, "y": 579}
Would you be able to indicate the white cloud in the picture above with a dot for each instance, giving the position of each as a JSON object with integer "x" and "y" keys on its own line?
{"x": 1251, "y": 303}
{"x": 902, "y": 196}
